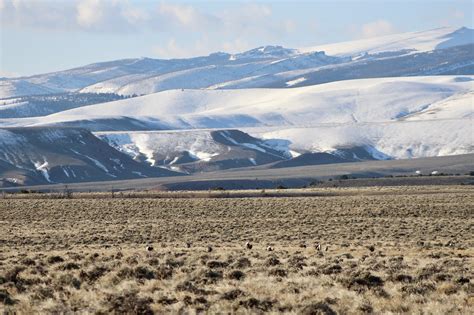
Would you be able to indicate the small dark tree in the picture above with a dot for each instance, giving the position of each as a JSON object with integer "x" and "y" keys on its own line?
{"x": 67, "y": 193}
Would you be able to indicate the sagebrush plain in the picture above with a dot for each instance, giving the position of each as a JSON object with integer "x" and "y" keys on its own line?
{"x": 382, "y": 250}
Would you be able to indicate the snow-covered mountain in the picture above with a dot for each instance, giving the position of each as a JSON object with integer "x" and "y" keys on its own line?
{"x": 268, "y": 66}
{"x": 439, "y": 38}
{"x": 394, "y": 117}
{"x": 400, "y": 96}
{"x": 343, "y": 102}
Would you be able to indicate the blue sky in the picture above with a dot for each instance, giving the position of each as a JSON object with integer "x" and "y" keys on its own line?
{"x": 46, "y": 35}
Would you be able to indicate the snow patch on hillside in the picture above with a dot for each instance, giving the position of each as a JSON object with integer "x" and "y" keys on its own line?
{"x": 399, "y": 140}
{"x": 43, "y": 168}
{"x": 443, "y": 37}
{"x": 296, "y": 81}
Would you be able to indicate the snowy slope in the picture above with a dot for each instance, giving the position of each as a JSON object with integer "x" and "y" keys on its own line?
{"x": 439, "y": 38}
{"x": 356, "y": 101}
{"x": 197, "y": 150}
{"x": 236, "y": 67}
{"x": 41, "y": 105}
{"x": 395, "y": 117}
{"x": 398, "y": 140}
{"x": 58, "y": 155}
{"x": 14, "y": 88}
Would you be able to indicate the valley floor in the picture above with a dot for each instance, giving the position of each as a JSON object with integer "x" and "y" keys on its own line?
{"x": 383, "y": 250}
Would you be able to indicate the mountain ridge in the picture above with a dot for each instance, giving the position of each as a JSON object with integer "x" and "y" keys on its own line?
{"x": 128, "y": 76}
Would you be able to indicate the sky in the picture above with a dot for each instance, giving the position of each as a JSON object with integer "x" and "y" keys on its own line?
{"x": 38, "y": 36}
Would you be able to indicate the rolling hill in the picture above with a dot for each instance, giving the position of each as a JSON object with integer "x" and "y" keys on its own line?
{"x": 32, "y": 156}
{"x": 390, "y": 118}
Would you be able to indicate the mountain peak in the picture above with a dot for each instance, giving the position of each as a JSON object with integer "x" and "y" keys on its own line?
{"x": 268, "y": 51}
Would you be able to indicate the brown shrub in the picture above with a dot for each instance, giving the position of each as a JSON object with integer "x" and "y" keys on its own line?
{"x": 333, "y": 269}
{"x": 43, "y": 293}
{"x": 28, "y": 262}
{"x": 69, "y": 266}
{"x": 272, "y": 261}
{"x": 242, "y": 263}
{"x": 212, "y": 276}
{"x": 128, "y": 303}
{"x": 253, "y": 303}
{"x": 278, "y": 272}
{"x": 319, "y": 308}
{"x": 420, "y": 288}
{"x": 216, "y": 264}
{"x": 69, "y": 280}
{"x": 167, "y": 301}
{"x": 188, "y": 286}
{"x": 365, "y": 281}
{"x": 297, "y": 262}
{"x": 164, "y": 273}
{"x": 55, "y": 259}
{"x": 236, "y": 275}
{"x": 5, "y": 297}
{"x": 232, "y": 294}
{"x": 94, "y": 274}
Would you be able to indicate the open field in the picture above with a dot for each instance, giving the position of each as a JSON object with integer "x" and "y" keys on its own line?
{"x": 383, "y": 250}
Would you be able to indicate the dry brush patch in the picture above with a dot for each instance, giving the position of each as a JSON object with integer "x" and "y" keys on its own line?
{"x": 403, "y": 251}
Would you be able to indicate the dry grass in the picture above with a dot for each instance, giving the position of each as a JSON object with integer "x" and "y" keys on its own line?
{"x": 391, "y": 250}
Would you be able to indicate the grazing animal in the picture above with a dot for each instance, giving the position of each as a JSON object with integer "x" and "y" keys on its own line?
{"x": 327, "y": 248}
{"x": 318, "y": 247}
{"x": 248, "y": 245}
{"x": 270, "y": 249}
{"x": 209, "y": 249}
{"x": 149, "y": 248}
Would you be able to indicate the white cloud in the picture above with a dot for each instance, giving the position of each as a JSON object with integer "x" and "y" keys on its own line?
{"x": 89, "y": 12}
{"x": 135, "y": 15}
{"x": 86, "y": 15}
{"x": 376, "y": 28}
{"x": 236, "y": 30}
{"x": 187, "y": 28}
{"x": 36, "y": 14}
{"x": 175, "y": 17}
{"x": 117, "y": 16}
{"x": 185, "y": 15}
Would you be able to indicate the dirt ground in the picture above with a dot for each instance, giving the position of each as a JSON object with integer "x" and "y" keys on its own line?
{"x": 382, "y": 250}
